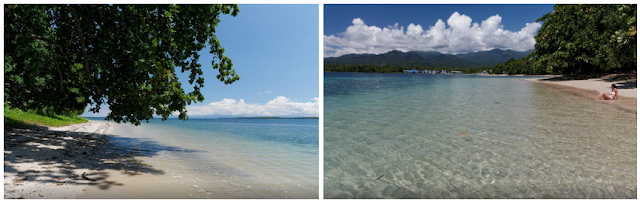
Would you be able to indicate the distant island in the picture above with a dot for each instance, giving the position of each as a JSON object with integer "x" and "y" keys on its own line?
{"x": 273, "y": 118}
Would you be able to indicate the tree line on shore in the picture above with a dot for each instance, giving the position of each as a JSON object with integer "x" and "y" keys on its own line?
{"x": 367, "y": 68}
{"x": 396, "y": 61}
{"x": 573, "y": 40}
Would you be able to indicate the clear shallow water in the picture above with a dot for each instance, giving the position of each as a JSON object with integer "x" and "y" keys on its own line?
{"x": 220, "y": 158}
{"x": 451, "y": 136}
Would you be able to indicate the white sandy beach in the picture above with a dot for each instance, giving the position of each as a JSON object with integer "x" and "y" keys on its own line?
{"x": 87, "y": 161}
{"x": 597, "y": 85}
{"x": 54, "y": 162}
{"x": 627, "y": 90}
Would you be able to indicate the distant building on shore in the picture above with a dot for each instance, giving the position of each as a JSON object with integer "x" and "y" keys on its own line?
{"x": 411, "y": 71}
{"x": 426, "y": 71}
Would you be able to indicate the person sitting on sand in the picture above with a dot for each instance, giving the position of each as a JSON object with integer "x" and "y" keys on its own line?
{"x": 610, "y": 96}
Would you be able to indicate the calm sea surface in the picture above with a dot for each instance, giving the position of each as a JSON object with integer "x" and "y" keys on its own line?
{"x": 455, "y": 136}
{"x": 219, "y": 158}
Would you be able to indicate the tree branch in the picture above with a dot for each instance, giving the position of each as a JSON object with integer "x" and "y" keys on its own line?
{"x": 84, "y": 49}
{"x": 33, "y": 36}
{"x": 55, "y": 59}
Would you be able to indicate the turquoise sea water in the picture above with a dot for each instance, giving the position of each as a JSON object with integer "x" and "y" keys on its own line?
{"x": 456, "y": 136}
{"x": 224, "y": 158}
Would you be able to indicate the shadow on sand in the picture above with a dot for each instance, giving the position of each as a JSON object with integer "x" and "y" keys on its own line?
{"x": 627, "y": 85}
{"x": 66, "y": 156}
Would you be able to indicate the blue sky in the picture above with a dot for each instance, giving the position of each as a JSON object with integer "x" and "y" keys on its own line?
{"x": 274, "y": 50}
{"x": 361, "y": 28}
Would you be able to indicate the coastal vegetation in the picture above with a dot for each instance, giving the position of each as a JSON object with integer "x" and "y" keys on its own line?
{"x": 396, "y": 61}
{"x": 519, "y": 66}
{"x": 581, "y": 40}
{"x": 62, "y": 59}
{"x": 16, "y": 118}
{"x": 585, "y": 39}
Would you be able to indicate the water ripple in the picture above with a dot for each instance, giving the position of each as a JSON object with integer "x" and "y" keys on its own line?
{"x": 472, "y": 137}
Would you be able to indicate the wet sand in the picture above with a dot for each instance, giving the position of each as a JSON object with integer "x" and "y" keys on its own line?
{"x": 77, "y": 162}
{"x": 592, "y": 87}
{"x": 165, "y": 166}
{"x": 91, "y": 161}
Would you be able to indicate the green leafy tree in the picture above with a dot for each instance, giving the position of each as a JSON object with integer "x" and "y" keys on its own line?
{"x": 583, "y": 39}
{"x": 518, "y": 66}
{"x": 624, "y": 40}
{"x": 65, "y": 57}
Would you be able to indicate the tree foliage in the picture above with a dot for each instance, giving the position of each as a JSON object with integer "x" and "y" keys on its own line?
{"x": 583, "y": 39}
{"x": 65, "y": 57}
{"x": 364, "y": 68}
{"x": 368, "y": 68}
{"x": 518, "y": 66}
{"x": 422, "y": 59}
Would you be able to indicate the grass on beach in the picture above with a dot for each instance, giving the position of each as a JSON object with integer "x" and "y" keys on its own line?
{"x": 16, "y": 118}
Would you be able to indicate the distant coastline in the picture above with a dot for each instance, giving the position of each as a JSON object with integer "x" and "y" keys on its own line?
{"x": 205, "y": 118}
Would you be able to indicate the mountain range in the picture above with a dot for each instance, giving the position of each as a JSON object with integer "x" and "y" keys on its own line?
{"x": 429, "y": 59}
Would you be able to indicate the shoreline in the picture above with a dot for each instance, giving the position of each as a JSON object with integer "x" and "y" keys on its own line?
{"x": 596, "y": 85}
{"x": 518, "y": 75}
{"x": 474, "y": 74}
{"x": 592, "y": 87}
{"x": 162, "y": 160}
{"x": 94, "y": 161}
{"x": 53, "y": 162}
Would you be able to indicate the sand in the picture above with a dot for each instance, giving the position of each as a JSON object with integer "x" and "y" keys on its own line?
{"x": 49, "y": 163}
{"x": 53, "y": 162}
{"x": 597, "y": 85}
{"x": 627, "y": 90}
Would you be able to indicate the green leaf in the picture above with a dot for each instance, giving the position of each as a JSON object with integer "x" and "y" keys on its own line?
{"x": 77, "y": 63}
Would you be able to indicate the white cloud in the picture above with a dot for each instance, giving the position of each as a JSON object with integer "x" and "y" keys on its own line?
{"x": 280, "y": 106}
{"x": 458, "y": 35}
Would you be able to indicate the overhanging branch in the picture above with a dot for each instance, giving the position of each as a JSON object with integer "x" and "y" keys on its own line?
{"x": 33, "y": 36}
{"x": 84, "y": 49}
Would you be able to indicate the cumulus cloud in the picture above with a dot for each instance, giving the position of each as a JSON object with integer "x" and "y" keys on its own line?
{"x": 457, "y": 35}
{"x": 280, "y": 106}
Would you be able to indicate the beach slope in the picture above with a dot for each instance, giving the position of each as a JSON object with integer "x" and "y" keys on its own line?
{"x": 590, "y": 88}
{"x": 625, "y": 88}
{"x": 53, "y": 162}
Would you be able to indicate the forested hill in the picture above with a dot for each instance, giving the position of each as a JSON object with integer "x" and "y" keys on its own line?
{"x": 421, "y": 59}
